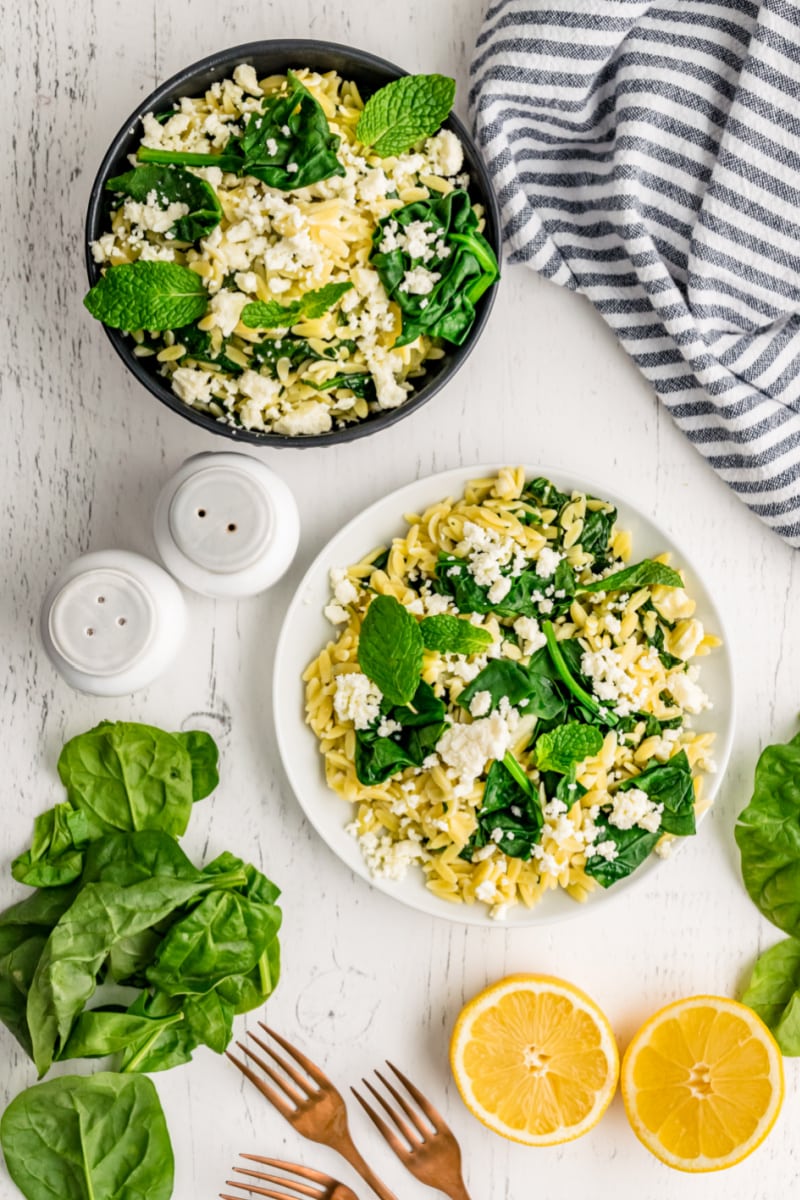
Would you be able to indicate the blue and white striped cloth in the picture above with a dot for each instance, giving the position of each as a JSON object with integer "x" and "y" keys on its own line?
{"x": 647, "y": 155}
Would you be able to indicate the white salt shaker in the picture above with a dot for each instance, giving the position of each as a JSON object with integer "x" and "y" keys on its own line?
{"x": 112, "y": 621}
{"x": 226, "y": 525}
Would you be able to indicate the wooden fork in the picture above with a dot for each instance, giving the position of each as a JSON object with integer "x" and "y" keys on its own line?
{"x": 325, "y": 1189}
{"x": 310, "y": 1103}
{"x": 432, "y": 1154}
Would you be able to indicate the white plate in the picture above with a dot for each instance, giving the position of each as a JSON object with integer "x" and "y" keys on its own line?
{"x": 306, "y": 631}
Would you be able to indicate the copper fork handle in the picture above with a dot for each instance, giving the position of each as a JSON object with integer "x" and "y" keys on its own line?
{"x": 347, "y": 1150}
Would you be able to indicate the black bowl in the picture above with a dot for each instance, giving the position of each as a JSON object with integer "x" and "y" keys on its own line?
{"x": 271, "y": 57}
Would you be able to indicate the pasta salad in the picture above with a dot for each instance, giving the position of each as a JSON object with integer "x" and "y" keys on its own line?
{"x": 509, "y": 702}
{"x": 289, "y": 256}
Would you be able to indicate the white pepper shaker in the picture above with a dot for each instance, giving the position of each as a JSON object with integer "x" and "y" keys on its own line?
{"x": 112, "y": 621}
{"x": 226, "y": 525}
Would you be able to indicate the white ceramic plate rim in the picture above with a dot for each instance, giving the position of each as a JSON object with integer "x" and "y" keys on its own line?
{"x": 305, "y": 632}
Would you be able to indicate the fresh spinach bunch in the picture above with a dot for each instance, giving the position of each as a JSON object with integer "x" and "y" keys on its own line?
{"x": 121, "y": 776}
{"x": 194, "y": 946}
{"x": 89, "y": 1138}
{"x": 170, "y": 185}
{"x": 461, "y": 257}
{"x": 287, "y": 145}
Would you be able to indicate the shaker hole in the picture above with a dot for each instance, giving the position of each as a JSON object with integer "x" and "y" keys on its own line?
{"x": 231, "y": 528}
{"x": 101, "y": 599}
{"x": 201, "y": 512}
{"x": 122, "y": 620}
{"x": 90, "y": 632}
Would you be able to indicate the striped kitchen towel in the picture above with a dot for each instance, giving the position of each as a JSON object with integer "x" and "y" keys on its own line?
{"x": 648, "y": 155}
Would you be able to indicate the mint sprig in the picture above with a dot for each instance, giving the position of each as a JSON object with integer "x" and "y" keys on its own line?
{"x": 269, "y": 314}
{"x": 390, "y": 649}
{"x": 561, "y": 748}
{"x": 404, "y": 111}
{"x": 147, "y": 295}
{"x": 453, "y": 635}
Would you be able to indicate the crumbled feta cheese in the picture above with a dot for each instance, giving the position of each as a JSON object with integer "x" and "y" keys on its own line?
{"x": 343, "y": 588}
{"x": 419, "y": 281}
{"x": 467, "y": 748}
{"x": 444, "y": 153}
{"x": 225, "y": 310}
{"x": 612, "y": 624}
{"x": 486, "y": 891}
{"x": 357, "y": 699}
{"x": 310, "y": 417}
{"x": 261, "y": 388}
{"x": 148, "y": 215}
{"x": 387, "y": 727}
{"x": 373, "y": 186}
{"x": 480, "y": 704}
{"x": 634, "y": 807}
{"x": 385, "y": 858}
{"x": 192, "y": 384}
{"x": 607, "y": 850}
{"x": 336, "y": 614}
{"x": 102, "y": 248}
{"x": 530, "y": 635}
{"x": 546, "y": 562}
{"x": 499, "y": 589}
{"x": 686, "y": 692}
{"x": 245, "y": 76}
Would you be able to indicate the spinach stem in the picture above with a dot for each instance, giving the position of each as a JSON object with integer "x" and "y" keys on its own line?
{"x": 515, "y": 769}
{"x": 163, "y": 1023}
{"x": 179, "y": 157}
{"x": 578, "y": 692}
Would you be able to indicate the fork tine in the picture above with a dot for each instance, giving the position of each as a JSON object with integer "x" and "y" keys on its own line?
{"x": 435, "y": 1117}
{"x": 422, "y": 1129}
{"x": 297, "y": 1097}
{"x": 274, "y": 1097}
{"x": 408, "y": 1133}
{"x": 302, "y": 1189}
{"x": 297, "y": 1168}
{"x": 304, "y": 1062}
{"x": 282, "y": 1063}
{"x": 259, "y": 1191}
{"x": 388, "y": 1134}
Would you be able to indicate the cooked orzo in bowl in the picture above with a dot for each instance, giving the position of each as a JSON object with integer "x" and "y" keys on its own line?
{"x": 279, "y": 259}
{"x": 511, "y": 700}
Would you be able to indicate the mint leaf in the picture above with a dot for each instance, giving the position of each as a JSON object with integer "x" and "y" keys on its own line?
{"x": 404, "y": 111}
{"x": 644, "y": 574}
{"x": 390, "y": 649}
{"x": 170, "y": 185}
{"x": 561, "y": 748}
{"x": 453, "y": 635}
{"x": 147, "y": 295}
{"x": 269, "y": 314}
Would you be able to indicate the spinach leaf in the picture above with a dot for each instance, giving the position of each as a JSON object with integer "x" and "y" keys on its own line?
{"x": 454, "y": 579}
{"x": 172, "y": 185}
{"x": 658, "y": 638}
{"x": 404, "y": 111}
{"x": 670, "y": 784}
{"x": 633, "y": 847}
{"x": 225, "y": 934}
{"x": 390, "y": 649}
{"x": 270, "y": 314}
{"x": 558, "y": 652}
{"x": 287, "y": 145}
{"x": 101, "y": 1031}
{"x": 453, "y": 635}
{"x": 197, "y": 344}
{"x": 178, "y": 1025}
{"x": 296, "y": 349}
{"x": 511, "y": 806}
{"x": 644, "y": 574}
{"x": 544, "y": 494}
{"x": 768, "y": 836}
{"x": 462, "y": 261}
{"x": 562, "y": 748}
{"x": 88, "y": 1138}
{"x": 773, "y": 993}
{"x": 56, "y": 854}
{"x": 422, "y": 725}
{"x": 595, "y": 539}
{"x": 360, "y": 383}
{"x": 130, "y": 776}
{"x": 529, "y": 689}
{"x": 204, "y": 756}
{"x": 147, "y": 295}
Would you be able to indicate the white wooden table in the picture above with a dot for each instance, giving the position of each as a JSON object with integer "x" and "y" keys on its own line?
{"x": 84, "y": 452}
